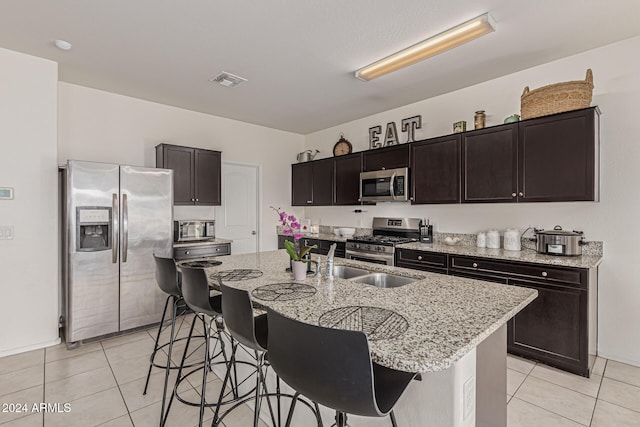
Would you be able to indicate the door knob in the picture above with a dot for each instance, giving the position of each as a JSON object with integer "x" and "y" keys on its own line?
{"x": 253, "y": 232}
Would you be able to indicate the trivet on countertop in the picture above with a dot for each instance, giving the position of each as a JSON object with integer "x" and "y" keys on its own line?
{"x": 283, "y": 291}
{"x": 205, "y": 263}
{"x": 236, "y": 275}
{"x": 378, "y": 323}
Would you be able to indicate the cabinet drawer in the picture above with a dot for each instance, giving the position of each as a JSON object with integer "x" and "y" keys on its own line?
{"x": 201, "y": 251}
{"x": 430, "y": 259}
{"x": 571, "y": 276}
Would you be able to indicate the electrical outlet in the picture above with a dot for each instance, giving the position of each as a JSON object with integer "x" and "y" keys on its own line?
{"x": 468, "y": 398}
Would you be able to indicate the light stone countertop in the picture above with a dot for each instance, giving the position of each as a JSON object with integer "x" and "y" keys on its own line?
{"x": 525, "y": 255}
{"x": 447, "y": 316}
{"x": 201, "y": 243}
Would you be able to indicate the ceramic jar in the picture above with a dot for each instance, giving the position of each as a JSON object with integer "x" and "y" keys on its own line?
{"x": 493, "y": 239}
{"x": 512, "y": 240}
{"x": 481, "y": 240}
{"x": 479, "y": 120}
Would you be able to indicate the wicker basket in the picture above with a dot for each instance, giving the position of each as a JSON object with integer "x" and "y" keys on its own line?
{"x": 557, "y": 98}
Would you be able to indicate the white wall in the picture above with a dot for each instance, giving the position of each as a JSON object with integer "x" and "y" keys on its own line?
{"x": 105, "y": 127}
{"x": 29, "y": 262}
{"x": 614, "y": 219}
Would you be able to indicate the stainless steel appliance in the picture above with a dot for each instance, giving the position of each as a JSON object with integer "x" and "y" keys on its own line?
{"x": 194, "y": 230}
{"x": 559, "y": 241}
{"x": 115, "y": 217}
{"x": 389, "y": 185}
{"x": 387, "y": 233}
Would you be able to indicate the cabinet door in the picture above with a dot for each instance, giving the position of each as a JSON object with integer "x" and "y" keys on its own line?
{"x": 301, "y": 181}
{"x": 435, "y": 170}
{"x": 347, "y": 179}
{"x": 395, "y": 156}
{"x": 207, "y": 177}
{"x": 553, "y": 328}
{"x": 557, "y": 156}
{"x": 322, "y": 182}
{"x": 180, "y": 160}
{"x": 490, "y": 164}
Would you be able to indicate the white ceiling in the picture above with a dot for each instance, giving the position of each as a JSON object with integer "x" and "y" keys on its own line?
{"x": 299, "y": 56}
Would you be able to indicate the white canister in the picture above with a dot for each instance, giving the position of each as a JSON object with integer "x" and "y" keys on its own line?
{"x": 482, "y": 240}
{"x": 512, "y": 240}
{"x": 493, "y": 239}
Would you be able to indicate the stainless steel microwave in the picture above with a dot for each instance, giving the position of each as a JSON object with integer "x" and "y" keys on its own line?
{"x": 388, "y": 185}
{"x": 193, "y": 229}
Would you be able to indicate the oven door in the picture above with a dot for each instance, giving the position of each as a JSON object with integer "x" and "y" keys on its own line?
{"x": 384, "y": 185}
{"x": 369, "y": 257}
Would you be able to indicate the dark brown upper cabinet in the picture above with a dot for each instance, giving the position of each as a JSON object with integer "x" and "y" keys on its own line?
{"x": 312, "y": 183}
{"x": 392, "y": 157}
{"x": 558, "y": 157}
{"x": 490, "y": 164}
{"x": 196, "y": 174}
{"x": 346, "y": 171}
{"x": 435, "y": 170}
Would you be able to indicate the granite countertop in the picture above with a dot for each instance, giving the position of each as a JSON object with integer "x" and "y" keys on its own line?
{"x": 445, "y": 316}
{"x": 525, "y": 255}
{"x": 201, "y": 243}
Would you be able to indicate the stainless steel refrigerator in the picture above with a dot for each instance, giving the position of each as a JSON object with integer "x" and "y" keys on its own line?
{"x": 115, "y": 218}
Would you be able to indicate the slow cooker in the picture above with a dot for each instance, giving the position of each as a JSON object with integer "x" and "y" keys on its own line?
{"x": 559, "y": 241}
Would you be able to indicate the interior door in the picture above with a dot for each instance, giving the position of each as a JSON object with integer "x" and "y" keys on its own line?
{"x": 146, "y": 213}
{"x": 237, "y": 217}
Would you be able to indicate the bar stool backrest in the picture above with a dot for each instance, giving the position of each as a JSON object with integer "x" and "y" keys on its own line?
{"x": 329, "y": 366}
{"x": 167, "y": 275}
{"x": 195, "y": 290}
{"x": 238, "y": 316}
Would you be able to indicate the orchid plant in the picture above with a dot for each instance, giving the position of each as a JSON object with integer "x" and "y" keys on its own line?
{"x": 291, "y": 227}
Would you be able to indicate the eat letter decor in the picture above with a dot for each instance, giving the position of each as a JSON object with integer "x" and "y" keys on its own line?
{"x": 409, "y": 125}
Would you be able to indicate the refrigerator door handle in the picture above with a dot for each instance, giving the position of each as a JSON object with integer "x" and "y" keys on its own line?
{"x": 125, "y": 228}
{"x": 115, "y": 226}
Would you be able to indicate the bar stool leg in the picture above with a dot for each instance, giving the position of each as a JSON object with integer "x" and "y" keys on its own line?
{"x": 155, "y": 346}
{"x": 394, "y": 423}
{"x": 168, "y": 368}
{"x": 207, "y": 368}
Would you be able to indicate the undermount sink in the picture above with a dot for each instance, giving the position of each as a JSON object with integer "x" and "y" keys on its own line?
{"x": 383, "y": 280}
{"x": 344, "y": 272}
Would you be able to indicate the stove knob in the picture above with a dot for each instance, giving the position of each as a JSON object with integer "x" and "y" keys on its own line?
{"x": 358, "y": 246}
{"x": 381, "y": 248}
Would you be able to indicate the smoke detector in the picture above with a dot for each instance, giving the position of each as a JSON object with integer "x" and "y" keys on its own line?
{"x": 228, "y": 79}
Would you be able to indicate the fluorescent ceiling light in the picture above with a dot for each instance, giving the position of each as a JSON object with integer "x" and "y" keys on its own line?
{"x": 432, "y": 46}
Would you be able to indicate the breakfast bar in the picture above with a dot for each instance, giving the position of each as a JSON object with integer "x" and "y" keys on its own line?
{"x": 452, "y": 330}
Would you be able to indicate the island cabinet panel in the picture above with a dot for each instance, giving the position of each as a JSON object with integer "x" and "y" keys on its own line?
{"x": 419, "y": 260}
{"x": 490, "y": 164}
{"x": 554, "y": 328}
{"x": 392, "y": 157}
{"x": 435, "y": 170}
{"x": 346, "y": 171}
{"x": 312, "y": 183}
{"x": 558, "y": 157}
{"x": 196, "y": 174}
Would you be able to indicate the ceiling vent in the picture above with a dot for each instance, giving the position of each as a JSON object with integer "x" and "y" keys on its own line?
{"x": 228, "y": 79}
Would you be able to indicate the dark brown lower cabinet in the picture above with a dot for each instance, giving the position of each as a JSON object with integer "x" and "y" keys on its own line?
{"x": 558, "y": 328}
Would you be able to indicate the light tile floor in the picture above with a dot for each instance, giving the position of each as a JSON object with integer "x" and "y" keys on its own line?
{"x": 103, "y": 383}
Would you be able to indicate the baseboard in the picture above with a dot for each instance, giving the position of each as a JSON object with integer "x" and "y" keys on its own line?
{"x": 615, "y": 358}
{"x": 30, "y": 347}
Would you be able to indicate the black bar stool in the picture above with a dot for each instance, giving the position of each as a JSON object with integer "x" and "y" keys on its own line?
{"x": 196, "y": 293}
{"x": 168, "y": 280}
{"x": 250, "y": 331}
{"x": 333, "y": 367}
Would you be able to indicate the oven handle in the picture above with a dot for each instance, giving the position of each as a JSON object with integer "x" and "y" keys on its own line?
{"x": 369, "y": 255}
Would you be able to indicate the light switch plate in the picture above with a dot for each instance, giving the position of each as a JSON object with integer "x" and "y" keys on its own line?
{"x": 6, "y": 232}
{"x": 6, "y": 193}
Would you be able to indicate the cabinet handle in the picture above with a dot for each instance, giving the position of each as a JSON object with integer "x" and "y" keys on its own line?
{"x": 217, "y": 249}
{"x": 521, "y": 194}
{"x": 197, "y": 200}
{"x": 193, "y": 200}
{"x": 309, "y": 201}
{"x": 544, "y": 274}
{"x": 513, "y": 194}
{"x": 419, "y": 257}
{"x": 474, "y": 265}
{"x": 383, "y": 168}
{"x": 187, "y": 252}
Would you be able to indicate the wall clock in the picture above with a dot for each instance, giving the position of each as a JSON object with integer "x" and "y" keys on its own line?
{"x": 342, "y": 147}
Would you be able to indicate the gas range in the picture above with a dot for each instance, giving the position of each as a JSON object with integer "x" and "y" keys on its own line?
{"x": 387, "y": 233}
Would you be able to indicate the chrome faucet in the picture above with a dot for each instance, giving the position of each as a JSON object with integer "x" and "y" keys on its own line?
{"x": 328, "y": 271}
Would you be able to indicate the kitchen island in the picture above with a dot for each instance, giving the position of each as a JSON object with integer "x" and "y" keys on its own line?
{"x": 450, "y": 329}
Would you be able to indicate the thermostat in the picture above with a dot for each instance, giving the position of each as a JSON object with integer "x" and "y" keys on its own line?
{"x": 6, "y": 193}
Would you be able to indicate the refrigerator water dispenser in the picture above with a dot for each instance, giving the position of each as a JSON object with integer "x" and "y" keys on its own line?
{"x": 94, "y": 228}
